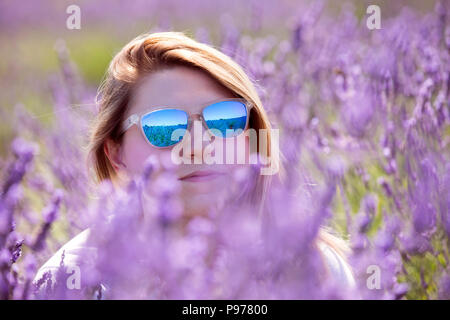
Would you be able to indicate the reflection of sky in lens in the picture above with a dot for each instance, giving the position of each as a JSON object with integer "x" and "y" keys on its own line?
{"x": 226, "y": 115}
{"x": 225, "y": 110}
{"x": 166, "y": 117}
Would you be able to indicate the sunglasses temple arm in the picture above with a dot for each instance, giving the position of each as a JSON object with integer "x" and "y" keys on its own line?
{"x": 128, "y": 123}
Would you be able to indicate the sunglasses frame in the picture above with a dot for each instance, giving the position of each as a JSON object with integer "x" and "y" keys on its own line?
{"x": 136, "y": 119}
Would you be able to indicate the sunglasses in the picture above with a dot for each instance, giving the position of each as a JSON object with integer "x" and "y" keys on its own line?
{"x": 166, "y": 127}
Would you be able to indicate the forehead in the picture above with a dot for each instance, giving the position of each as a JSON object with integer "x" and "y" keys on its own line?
{"x": 178, "y": 86}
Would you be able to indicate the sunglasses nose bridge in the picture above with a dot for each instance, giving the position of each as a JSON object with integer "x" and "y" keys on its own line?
{"x": 195, "y": 117}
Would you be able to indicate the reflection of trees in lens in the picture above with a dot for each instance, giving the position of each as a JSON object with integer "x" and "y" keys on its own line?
{"x": 161, "y": 136}
{"x": 226, "y": 124}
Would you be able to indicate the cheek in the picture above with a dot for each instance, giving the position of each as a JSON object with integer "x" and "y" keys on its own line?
{"x": 229, "y": 152}
{"x": 243, "y": 147}
{"x": 136, "y": 151}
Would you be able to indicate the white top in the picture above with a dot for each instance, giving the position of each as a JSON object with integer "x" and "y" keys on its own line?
{"x": 337, "y": 267}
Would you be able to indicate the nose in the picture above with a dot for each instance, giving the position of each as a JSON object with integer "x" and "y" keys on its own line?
{"x": 194, "y": 139}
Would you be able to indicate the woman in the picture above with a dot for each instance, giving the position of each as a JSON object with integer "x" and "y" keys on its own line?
{"x": 165, "y": 83}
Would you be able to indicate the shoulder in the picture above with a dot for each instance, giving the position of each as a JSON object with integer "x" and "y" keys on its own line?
{"x": 338, "y": 268}
{"x": 73, "y": 251}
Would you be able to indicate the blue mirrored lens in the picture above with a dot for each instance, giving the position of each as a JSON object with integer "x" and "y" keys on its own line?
{"x": 229, "y": 117}
{"x": 165, "y": 127}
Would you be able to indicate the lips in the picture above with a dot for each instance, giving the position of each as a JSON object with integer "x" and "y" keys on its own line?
{"x": 201, "y": 175}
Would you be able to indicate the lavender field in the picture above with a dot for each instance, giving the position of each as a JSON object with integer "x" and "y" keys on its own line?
{"x": 364, "y": 120}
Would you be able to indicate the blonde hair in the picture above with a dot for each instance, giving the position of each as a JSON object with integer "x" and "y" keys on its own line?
{"x": 149, "y": 53}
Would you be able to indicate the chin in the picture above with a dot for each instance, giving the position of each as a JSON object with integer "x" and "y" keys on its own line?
{"x": 200, "y": 204}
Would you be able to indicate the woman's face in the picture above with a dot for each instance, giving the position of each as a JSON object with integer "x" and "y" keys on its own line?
{"x": 202, "y": 185}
